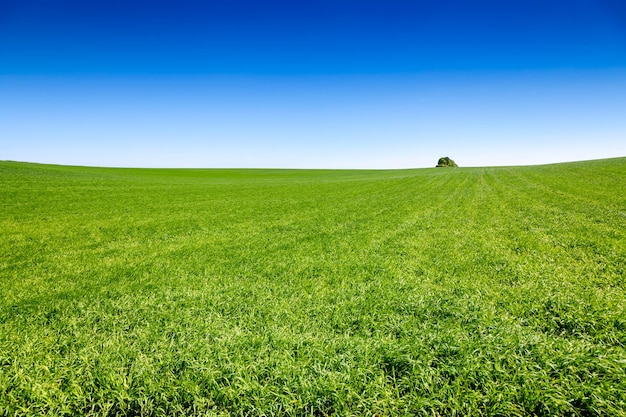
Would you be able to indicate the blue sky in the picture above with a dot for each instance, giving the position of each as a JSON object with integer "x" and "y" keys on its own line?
{"x": 311, "y": 84}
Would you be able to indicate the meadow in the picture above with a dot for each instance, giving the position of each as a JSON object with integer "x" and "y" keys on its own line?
{"x": 430, "y": 292}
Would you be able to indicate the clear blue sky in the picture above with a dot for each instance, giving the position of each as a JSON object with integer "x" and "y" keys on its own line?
{"x": 311, "y": 84}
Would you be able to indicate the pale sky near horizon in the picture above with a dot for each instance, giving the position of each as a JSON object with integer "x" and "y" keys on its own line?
{"x": 319, "y": 84}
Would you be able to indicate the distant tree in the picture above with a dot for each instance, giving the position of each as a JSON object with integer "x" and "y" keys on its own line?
{"x": 446, "y": 162}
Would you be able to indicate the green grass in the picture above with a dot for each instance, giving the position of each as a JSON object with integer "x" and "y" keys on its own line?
{"x": 474, "y": 291}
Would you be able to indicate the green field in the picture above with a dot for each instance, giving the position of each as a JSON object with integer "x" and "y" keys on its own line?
{"x": 443, "y": 291}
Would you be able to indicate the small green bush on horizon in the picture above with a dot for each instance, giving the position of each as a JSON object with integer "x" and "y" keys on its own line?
{"x": 446, "y": 162}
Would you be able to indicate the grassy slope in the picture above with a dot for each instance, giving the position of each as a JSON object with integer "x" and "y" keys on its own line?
{"x": 434, "y": 291}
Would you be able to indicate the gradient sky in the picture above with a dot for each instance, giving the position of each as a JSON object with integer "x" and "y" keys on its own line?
{"x": 311, "y": 84}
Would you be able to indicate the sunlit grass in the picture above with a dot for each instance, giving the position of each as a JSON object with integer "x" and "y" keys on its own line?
{"x": 473, "y": 291}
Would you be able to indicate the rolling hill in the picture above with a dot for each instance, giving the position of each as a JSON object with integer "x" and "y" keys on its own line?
{"x": 473, "y": 291}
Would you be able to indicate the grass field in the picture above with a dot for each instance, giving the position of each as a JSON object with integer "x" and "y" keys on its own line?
{"x": 470, "y": 291}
